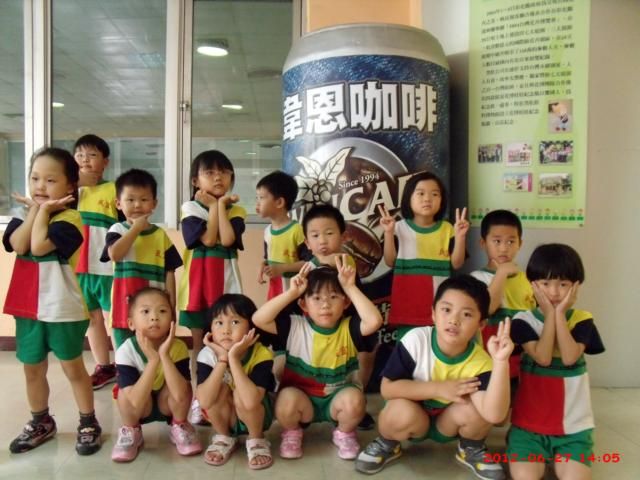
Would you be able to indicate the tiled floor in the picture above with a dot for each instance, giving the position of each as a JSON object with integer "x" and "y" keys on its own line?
{"x": 617, "y": 417}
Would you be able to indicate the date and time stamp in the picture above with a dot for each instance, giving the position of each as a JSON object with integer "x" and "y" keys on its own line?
{"x": 609, "y": 457}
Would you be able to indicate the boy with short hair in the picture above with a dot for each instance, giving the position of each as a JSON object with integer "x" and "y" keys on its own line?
{"x": 142, "y": 253}
{"x": 511, "y": 292}
{"x": 552, "y": 419}
{"x": 97, "y": 207}
{"x": 153, "y": 377}
{"x": 440, "y": 384}
{"x": 284, "y": 247}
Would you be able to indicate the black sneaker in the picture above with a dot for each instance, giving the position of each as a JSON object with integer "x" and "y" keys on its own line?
{"x": 367, "y": 422}
{"x": 89, "y": 439}
{"x": 481, "y": 464}
{"x": 33, "y": 435}
{"x": 377, "y": 454}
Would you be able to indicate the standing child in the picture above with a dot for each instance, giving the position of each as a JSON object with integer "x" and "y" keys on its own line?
{"x": 212, "y": 227}
{"x": 234, "y": 377}
{"x": 284, "y": 247}
{"x": 97, "y": 207}
{"x": 552, "y": 419}
{"x": 511, "y": 292}
{"x": 142, "y": 253}
{"x": 439, "y": 384}
{"x": 428, "y": 247}
{"x": 45, "y": 298}
{"x": 153, "y": 377}
{"x": 320, "y": 375}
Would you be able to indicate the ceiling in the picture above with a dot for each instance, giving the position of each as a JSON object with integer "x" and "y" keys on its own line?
{"x": 109, "y": 71}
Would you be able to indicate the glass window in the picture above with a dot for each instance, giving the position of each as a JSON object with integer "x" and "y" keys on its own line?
{"x": 11, "y": 105}
{"x": 257, "y": 36}
{"x": 109, "y": 79}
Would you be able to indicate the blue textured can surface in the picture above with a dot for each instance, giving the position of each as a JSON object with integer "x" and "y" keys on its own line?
{"x": 365, "y": 106}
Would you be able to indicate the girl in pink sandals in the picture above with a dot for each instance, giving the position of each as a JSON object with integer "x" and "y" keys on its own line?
{"x": 234, "y": 376}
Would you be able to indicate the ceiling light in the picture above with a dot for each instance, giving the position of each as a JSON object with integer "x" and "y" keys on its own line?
{"x": 251, "y": 153}
{"x": 57, "y": 104}
{"x": 213, "y": 48}
{"x": 232, "y": 106}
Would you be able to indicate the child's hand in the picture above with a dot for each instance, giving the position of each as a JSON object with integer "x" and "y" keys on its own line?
{"x": 387, "y": 222}
{"x": 228, "y": 199}
{"x": 500, "y": 346}
{"x": 461, "y": 227}
{"x": 147, "y": 347}
{"x": 56, "y": 205}
{"x": 299, "y": 283}
{"x": 205, "y": 198}
{"x": 221, "y": 353}
{"x": 507, "y": 268}
{"x": 569, "y": 299}
{"x": 543, "y": 301}
{"x": 26, "y": 201}
{"x": 456, "y": 390}
{"x": 141, "y": 223}
{"x": 261, "y": 273}
{"x": 346, "y": 273}
{"x": 165, "y": 347}
{"x": 273, "y": 271}
{"x": 238, "y": 350}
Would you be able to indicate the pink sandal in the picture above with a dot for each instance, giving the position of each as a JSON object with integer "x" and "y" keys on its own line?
{"x": 258, "y": 447}
{"x": 291, "y": 443}
{"x": 223, "y": 446}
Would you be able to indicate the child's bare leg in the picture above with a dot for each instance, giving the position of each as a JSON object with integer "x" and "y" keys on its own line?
{"x": 253, "y": 418}
{"x": 572, "y": 470}
{"x": 176, "y": 406}
{"x": 292, "y": 408}
{"x": 401, "y": 419}
{"x": 37, "y": 385}
{"x": 98, "y": 338}
{"x": 129, "y": 414}
{"x": 463, "y": 419}
{"x": 77, "y": 375}
{"x": 347, "y": 408}
{"x": 526, "y": 470}
{"x": 221, "y": 413}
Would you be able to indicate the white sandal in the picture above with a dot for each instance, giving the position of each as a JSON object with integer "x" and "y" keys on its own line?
{"x": 223, "y": 446}
{"x": 259, "y": 447}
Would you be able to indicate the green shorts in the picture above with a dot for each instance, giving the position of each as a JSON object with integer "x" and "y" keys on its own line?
{"x": 433, "y": 433}
{"x": 96, "y": 290}
{"x": 525, "y": 446}
{"x": 241, "y": 429}
{"x": 194, "y": 319}
{"x": 35, "y": 339}
{"x": 322, "y": 405}
{"x": 120, "y": 335}
{"x": 156, "y": 415}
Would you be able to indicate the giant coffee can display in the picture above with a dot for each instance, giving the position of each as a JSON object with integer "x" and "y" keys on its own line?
{"x": 365, "y": 106}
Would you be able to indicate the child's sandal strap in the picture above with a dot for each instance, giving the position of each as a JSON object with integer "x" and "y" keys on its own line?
{"x": 259, "y": 447}
{"x": 223, "y": 446}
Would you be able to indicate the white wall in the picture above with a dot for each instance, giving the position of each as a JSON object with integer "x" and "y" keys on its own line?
{"x": 607, "y": 243}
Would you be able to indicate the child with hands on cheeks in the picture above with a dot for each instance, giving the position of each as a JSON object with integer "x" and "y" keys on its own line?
{"x": 212, "y": 226}
{"x": 153, "y": 377}
{"x": 319, "y": 383}
{"x": 45, "y": 298}
{"x": 552, "y": 416}
{"x": 142, "y": 253}
{"x": 440, "y": 384}
{"x": 234, "y": 377}
{"x": 428, "y": 247}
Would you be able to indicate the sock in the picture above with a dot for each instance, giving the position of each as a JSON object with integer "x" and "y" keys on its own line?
{"x": 88, "y": 419}
{"x": 469, "y": 443}
{"x": 42, "y": 416}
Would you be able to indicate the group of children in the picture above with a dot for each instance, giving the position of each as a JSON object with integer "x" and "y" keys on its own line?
{"x": 453, "y": 374}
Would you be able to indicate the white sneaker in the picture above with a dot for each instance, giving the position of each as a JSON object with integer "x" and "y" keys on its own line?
{"x": 196, "y": 412}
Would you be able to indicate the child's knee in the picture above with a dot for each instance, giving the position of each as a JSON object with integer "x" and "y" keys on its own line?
{"x": 351, "y": 401}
